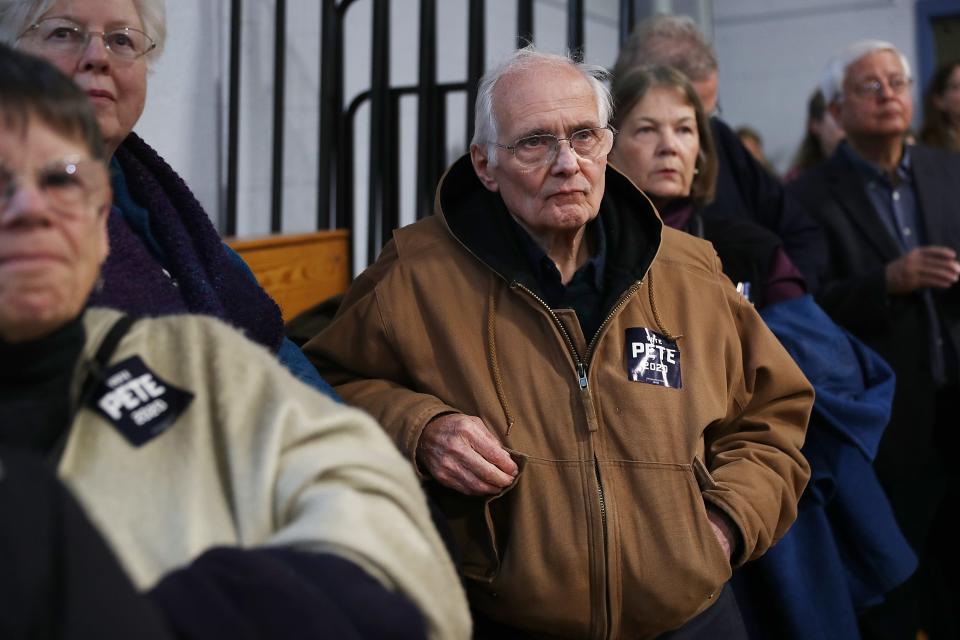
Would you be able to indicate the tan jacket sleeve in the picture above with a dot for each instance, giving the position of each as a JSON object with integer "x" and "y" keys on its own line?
{"x": 756, "y": 468}
{"x": 356, "y": 354}
{"x": 328, "y": 479}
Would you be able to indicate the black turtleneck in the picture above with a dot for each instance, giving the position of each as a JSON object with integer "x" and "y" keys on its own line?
{"x": 35, "y": 379}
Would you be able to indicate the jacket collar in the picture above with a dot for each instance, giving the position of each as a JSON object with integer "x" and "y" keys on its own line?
{"x": 478, "y": 219}
{"x": 845, "y": 183}
{"x": 930, "y": 182}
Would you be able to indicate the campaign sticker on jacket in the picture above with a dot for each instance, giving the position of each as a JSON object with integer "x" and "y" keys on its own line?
{"x": 652, "y": 358}
{"x": 139, "y": 403}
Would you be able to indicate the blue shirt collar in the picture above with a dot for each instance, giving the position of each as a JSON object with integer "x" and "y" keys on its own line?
{"x": 871, "y": 172}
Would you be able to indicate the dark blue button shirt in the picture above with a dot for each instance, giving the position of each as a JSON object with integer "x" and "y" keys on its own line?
{"x": 584, "y": 292}
{"x": 894, "y": 198}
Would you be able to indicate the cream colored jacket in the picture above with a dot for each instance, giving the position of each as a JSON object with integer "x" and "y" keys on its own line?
{"x": 258, "y": 458}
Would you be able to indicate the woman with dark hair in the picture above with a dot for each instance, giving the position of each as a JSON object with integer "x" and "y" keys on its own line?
{"x": 941, "y": 108}
{"x": 822, "y": 137}
{"x": 165, "y": 255}
{"x": 664, "y": 146}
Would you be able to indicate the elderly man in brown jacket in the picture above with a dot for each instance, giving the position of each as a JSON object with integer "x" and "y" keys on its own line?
{"x": 607, "y": 425}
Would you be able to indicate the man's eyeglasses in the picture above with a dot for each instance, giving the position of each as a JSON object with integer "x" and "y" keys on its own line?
{"x": 874, "y": 87}
{"x": 69, "y": 186}
{"x": 542, "y": 148}
{"x": 65, "y": 37}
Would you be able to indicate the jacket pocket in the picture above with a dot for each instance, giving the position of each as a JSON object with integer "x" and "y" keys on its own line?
{"x": 478, "y": 525}
{"x": 673, "y": 566}
{"x": 706, "y": 482}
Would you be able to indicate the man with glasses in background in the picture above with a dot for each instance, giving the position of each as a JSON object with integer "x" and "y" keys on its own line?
{"x": 889, "y": 211}
{"x": 607, "y": 425}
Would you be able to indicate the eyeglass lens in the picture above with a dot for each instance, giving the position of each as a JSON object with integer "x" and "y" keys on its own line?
{"x": 896, "y": 84}
{"x": 543, "y": 148}
{"x": 68, "y": 185}
{"x": 67, "y": 37}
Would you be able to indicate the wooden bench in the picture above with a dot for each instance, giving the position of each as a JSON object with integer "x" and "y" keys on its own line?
{"x": 299, "y": 271}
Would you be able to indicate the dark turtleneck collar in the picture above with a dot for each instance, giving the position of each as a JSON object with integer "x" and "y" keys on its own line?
{"x": 35, "y": 379}
{"x": 677, "y": 213}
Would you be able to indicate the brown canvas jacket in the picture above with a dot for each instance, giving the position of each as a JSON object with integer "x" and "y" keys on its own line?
{"x": 604, "y": 532}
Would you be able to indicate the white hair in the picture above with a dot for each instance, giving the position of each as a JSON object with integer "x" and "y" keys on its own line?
{"x": 485, "y": 122}
{"x": 831, "y": 81}
{"x": 16, "y": 16}
{"x": 669, "y": 41}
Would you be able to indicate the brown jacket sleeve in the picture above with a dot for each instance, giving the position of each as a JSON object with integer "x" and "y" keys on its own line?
{"x": 757, "y": 470}
{"x": 357, "y": 354}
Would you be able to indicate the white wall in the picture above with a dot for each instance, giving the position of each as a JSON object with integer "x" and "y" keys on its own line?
{"x": 771, "y": 53}
{"x": 183, "y": 113}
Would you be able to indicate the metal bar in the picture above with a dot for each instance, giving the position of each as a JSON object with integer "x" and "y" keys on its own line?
{"x": 439, "y": 153}
{"x": 475, "y": 57}
{"x": 345, "y": 196}
{"x": 279, "y": 85}
{"x": 405, "y": 90}
{"x": 391, "y": 176}
{"x": 344, "y": 213}
{"x": 524, "y": 23}
{"x": 427, "y": 106}
{"x": 329, "y": 135}
{"x": 628, "y": 18}
{"x": 233, "y": 120}
{"x": 575, "y": 28}
{"x": 379, "y": 107}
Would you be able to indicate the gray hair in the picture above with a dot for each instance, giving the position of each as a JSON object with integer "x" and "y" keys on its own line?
{"x": 485, "y": 123}
{"x": 669, "y": 41}
{"x": 16, "y": 16}
{"x": 831, "y": 81}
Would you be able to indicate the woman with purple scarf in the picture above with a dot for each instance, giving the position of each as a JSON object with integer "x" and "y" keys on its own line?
{"x": 165, "y": 255}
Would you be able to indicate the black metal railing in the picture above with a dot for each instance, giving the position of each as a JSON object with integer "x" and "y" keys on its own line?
{"x": 335, "y": 166}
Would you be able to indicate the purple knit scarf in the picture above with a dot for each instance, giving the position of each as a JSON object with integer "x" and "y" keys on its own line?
{"x": 208, "y": 279}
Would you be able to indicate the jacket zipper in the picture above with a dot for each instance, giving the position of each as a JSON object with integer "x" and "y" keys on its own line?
{"x": 581, "y": 369}
{"x": 620, "y": 303}
{"x": 584, "y": 388}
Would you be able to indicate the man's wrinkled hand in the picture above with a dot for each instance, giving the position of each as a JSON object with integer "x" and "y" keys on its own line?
{"x": 462, "y": 454}
{"x": 922, "y": 268}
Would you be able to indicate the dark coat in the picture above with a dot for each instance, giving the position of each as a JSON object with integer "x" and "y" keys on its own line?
{"x": 746, "y": 188}
{"x": 853, "y": 292}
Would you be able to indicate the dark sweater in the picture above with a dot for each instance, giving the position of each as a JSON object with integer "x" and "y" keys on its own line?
{"x": 746, "y": 189}
{"x": 35, "y": 381}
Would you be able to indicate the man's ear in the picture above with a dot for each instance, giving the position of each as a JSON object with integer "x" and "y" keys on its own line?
{"x": 481, "y": 165}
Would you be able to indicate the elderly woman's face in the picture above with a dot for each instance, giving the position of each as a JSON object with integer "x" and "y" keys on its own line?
{"x": 117, "y": 87}
{"x": 658, "y": 145}
{"x": 53, "y": 237}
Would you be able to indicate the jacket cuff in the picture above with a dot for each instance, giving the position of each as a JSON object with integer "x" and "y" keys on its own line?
{"x": 740, "y": 553}
{"x": 411, "y": 439}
